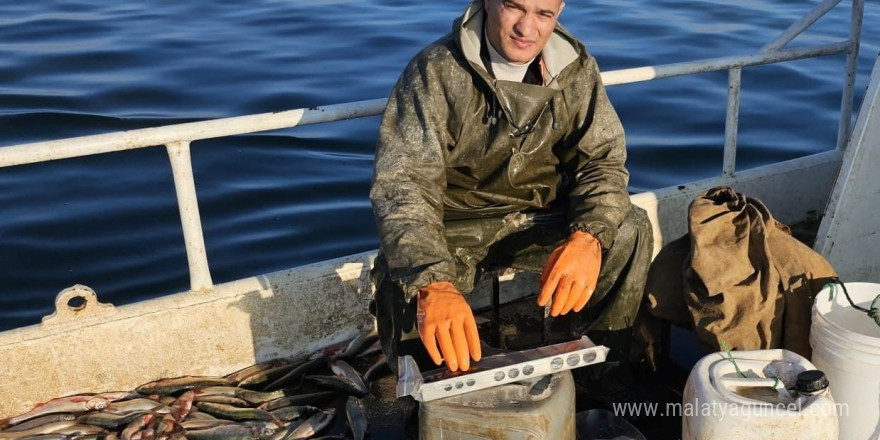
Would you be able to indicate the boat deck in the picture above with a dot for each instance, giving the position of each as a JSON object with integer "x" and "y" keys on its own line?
{"x": 521, "y": 327}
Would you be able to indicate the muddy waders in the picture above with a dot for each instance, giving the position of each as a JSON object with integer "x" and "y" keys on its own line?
{"x": 524, "y": 241}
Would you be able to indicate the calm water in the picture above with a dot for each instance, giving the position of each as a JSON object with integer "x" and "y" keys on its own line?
{"x": 283, "y": 199}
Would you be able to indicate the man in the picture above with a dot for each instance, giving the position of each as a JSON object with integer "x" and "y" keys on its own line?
{"x": 499, "y": 147}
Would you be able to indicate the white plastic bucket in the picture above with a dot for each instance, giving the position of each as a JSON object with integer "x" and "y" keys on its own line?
{"x": 846, "y": 346}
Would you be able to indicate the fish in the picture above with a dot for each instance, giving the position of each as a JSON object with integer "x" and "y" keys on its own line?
{"x": 376, "y": 347}
{"x": 115, "y": 396}
{"x": 47, "y": 428}
{"x": 226, "y": 400}
{"x": 239, "y": 414}
{"x": 136, "y": 405}
{"x": 357, "y": 345}
{"x": 261, "y": 378}
{"x": 47, "y": 437}
{"x": 289, "y": 413}
{"x": 108, "y": 420}
{"x": 297, "y": 374}
{"x": 236, "y": 377}
{"x": 177, "y": 384}
{"x": 166, "y": 400}
{"x": 135, "y": 426}
{"x": 252, "y": 397}
{"x": 72, "y": 405}
{"x": 94, "y": 436}
{"x": 337, "y": 383}
{"x": 299, "y": 399}
{"x": 33, "y": 423}
{"x": 181, "y": 408}
{"x": 192, "y": 425}
{"x": 379, "y": 367}
{"x": 233, "y": 431}
{"x": 343, "y": 369}
{"x": 263, "y": 428}
{"x": 195, "y": 414}
{"x": 81, "y": 430}
{"x": 357, "y": 419}
{"x": 312, "y": 426}
{"x": 167, "y": 426}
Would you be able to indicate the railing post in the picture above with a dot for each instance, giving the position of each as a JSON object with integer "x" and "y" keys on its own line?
{"x": 734, "y": 83}
{"x": 187, "y": 202}
{"x": 846, "y": 105}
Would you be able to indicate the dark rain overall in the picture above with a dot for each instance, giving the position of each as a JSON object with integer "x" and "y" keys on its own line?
{"x": 474, "y": 173}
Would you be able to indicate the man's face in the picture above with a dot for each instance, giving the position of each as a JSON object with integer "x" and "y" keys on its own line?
{"x": 519, "y": 29}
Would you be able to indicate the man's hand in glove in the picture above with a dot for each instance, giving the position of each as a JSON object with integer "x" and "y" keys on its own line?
{"x": 445, "y": 317}
{"x": 571, "y": 273}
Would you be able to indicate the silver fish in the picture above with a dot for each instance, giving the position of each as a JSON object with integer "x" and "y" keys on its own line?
{"x": 294, "y": 377}
{"x": 380, "y": 366}
{"x": 193, "y": 425}
{"x": 135, "y": 426}
{"x": 338, "y": 383}
{"x": 135, "y": 405}
{"x": 376, "y": 347}
{"x": 299, "y": 399}
{"x": 263, "y": 429}
{"x": 224, "y": 432}
{"x": 233, "y": 413}
{"x": 195, "y": 414}
{"x": 238, "y": 376}
{"x": 252, "y": 397}
{"x": 357, "y": 345}
{"x": 48, "y": 428}
{"x": 46, "y": 437}
{"x": 288, "y": 413}
{"x": 39, "y": 421}
{"x": 174, "y": 385}
{"x": 81, "y": 430}
{"x": 343, "y": 369}
{"x": 181, "y": 408}
{"x": 226, "y": 400}
{"x": 71, "y": 404}
{"x": 357, "y": 419}
{"x": 312, "y": 426}
{"x": 108, "y": 420}
{"x": 261, "y": 378}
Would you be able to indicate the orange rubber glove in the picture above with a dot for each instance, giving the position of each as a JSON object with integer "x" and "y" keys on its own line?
{"x": 571, "y": 273}
{"x": 445, "y": 317}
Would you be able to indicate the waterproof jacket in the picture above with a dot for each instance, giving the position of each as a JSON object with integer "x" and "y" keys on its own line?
{"x": 456, "y": 143}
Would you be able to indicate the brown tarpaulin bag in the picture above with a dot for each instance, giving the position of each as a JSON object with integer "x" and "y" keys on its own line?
{"x": 738, "y": 277}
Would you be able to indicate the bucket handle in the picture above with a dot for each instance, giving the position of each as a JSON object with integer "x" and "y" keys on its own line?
{"x": 873, "y": 312}
{"x": 753, "y": 382}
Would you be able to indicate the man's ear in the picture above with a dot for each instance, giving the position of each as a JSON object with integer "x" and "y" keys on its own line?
{"x": 561, "y": 7}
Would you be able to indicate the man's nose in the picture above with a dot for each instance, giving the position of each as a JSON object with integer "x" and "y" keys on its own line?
{"x": 525, "y": 26}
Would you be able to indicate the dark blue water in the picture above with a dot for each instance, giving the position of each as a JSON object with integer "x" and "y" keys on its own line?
{"x": 287, "y": 198}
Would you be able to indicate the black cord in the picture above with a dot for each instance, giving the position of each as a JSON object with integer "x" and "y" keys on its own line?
{"x": 873, "y": 312}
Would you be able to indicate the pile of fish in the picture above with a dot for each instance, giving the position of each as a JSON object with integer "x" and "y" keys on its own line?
{"x": 282, "y": 399}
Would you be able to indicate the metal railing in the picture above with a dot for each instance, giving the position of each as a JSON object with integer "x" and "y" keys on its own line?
{"x": 177, "y": 138}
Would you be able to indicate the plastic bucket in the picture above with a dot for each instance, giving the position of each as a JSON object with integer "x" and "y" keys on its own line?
{"x": 723, "y": 401}
{"x": 538, "y": 409}
{"x": 846, "y": 346}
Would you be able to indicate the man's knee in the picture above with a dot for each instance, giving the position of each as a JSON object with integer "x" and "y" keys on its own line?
{"x": 639, "y": 224}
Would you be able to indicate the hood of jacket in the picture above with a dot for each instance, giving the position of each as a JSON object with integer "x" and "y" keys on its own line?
{"x": 521, "y": 103}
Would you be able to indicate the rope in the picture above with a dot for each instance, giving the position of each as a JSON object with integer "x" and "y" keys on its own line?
{"x": 731, "y": 358}
{"x": 873, "y": 312}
